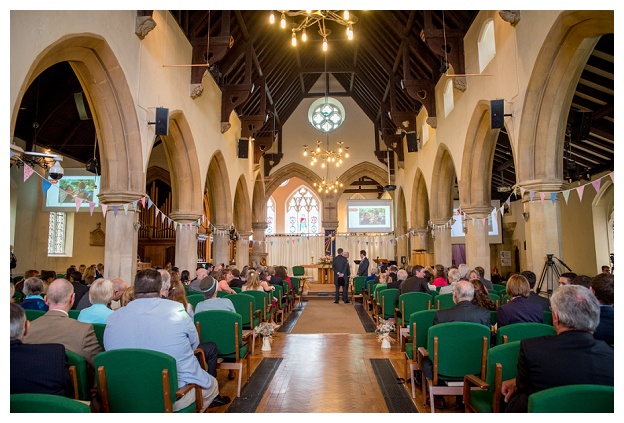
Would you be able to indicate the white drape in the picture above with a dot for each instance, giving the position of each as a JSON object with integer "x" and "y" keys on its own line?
{"x": 289, "y": 250}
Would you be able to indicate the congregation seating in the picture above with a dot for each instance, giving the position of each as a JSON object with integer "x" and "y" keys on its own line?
{"x": 519, "y": 331}
{"x": 573, "y": 399}
{"x": 409, "y": 303}
{"x": 46, "y": 403}
{"x": 33, "y": 314}
{"x": 444, "y": 301}
{"x": 78, "y": 374}
{"x": 194, "y": 299}
{"x": 245, "y": 305}
{"x": 387, "y": 304}
{"x": 357, "y": 288}
{"x": 420, "y": 322}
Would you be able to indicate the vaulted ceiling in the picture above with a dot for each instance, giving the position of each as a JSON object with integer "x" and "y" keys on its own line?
{"x": 390, "y": 70}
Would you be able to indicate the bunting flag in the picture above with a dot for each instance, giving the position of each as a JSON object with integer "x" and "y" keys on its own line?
{"x": 611, "y": 176}
{"x": 175, "y": 226}
{"x": 78, "y": 203}
{"x": 104, "y": 208}
{"x": 553, "y": 197}
{"x": 542, "y": 195}
{"x": 143, "y": 202}
{"x": 115, "y": 208}
{"x": 91, "y": 207}
{"x": 522, "y": 192}
{"x": 531, "y": 195}
{"x": 45, "y": 185}
{"x": 502, "y": 211}
{"x": 596, "y": 185}
{"x": 169, "y": 221}
{"x": 566, "y": 194}
{"x": 483, "y": 221}
{"x": 579, "y": 190}
{"x": 135, "y": 204}
{"x": 149, "y": 203}
{"x": 27, "y": 172}
{"x": 125, "y": 207}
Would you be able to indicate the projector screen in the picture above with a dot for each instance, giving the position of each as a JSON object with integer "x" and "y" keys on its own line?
{"x": 369, "y": 216}
{"x": 494, "y": 223}
{"x": 75, "y": 183}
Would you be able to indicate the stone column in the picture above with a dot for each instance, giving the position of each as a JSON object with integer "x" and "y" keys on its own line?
{"x": 242, "y": 249}
{"x": 477, "y": 244}
{"x": 442, "y": 244}
{"x": 418, "y": 240}
{"x": 186, "y": 240}
{"x": 122, "y": 239}
{"x": 258, "y": 249}
{"x": 221, "y": 244}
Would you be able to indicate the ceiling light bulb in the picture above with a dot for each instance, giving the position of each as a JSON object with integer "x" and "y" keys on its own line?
{"x": 283, "y": 21}
{"x": 323, "y": 165}
{"x": 347, "y": 155}
{"x": 272, "y": 18}
{"x": 312, "y": 163}
{"x": 305, "y": 153}
{"x": 324, "y": 44}
{"x": 340, "y": 149}
{"x": 338, "y": 164}
{"x": 304, "y": 36}
{"x": 350, "y": 32}
{"x": 294, "y": 39}
{"x": 346, "y": 15}
{"x": 318, "y": 149}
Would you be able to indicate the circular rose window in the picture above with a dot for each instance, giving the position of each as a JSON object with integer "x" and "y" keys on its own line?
{"x": 326, "y": 114}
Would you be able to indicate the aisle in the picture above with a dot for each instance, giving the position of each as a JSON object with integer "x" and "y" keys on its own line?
{"x": 323, "y": 316}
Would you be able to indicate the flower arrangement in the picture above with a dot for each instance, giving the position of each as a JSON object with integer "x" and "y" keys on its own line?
{"x": 326, "y": 261}
{"x": 383, "y": 331}
{"x": 265, "y": 329}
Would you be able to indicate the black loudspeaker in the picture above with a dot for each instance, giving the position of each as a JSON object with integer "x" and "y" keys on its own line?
{"x": 412, "y": 142}
{"x": 162, "y": 121}
{"x": 497, "y": 114}
{"x": 243, "y": 148}
{"x": 581, "y": 124}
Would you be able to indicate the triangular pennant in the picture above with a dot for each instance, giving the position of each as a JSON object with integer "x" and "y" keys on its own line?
{"x": 45, "y": 185}
{"x": 542, "y": 196}
{"x": 508, "y": 201}
{"x": 483, "y": 221}
{"x": 611, "y": 176}
{"x": 149, "y": 204}
{"x": 553, "y": 197}
{"x": 522, "y": 192}
{"x": 566, "y": 194}
{"x": 169, "y": 222}
{"x": 162, "y": 217}
{"x": 125, "y": 207}
{"x": 12, "y": 153}
{"x": 104, "y": 208}
{"x": 27, "y": 172}
{"x": 134, "y": 204}
{"x": 596, "y": 184}
{"x": 175, "y": 226}
{"x": 115, "y": 208}
{"x": 502, "y": 211}
{"x": 91, "y": 207}
{"x": 78, "y": 203}
{"x": 579, "y": 190}
{"x": 531, "y": 195}
{"x": 143, "y": 202}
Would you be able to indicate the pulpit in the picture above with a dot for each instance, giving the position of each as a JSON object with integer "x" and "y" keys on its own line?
{"x": 382, "y": 263}
{"x": 325, "y": 273}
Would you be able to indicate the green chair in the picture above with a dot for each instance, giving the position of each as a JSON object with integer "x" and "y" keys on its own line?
{"x": 73, "y": 314}
{"x": 78, "y": 373}
{"x": 519, "y": 331}
{"x": 573, "y": 399}
{"x": 499, "y": 287}
{"x": 99, "y": 333}
{"x": 420, "y": 322}
{"x": 237, "y": 289}
{"x": 297, "y": 288}
{"x": 46, "y": 403}
{"x": 222, "y": 294}
{"x": 33, "y": 314}
{"x": 280, "y": 308}
{"x": 357, "y": 288}
{"x": 194, "y": 299}
{"x": 18, "y": 297}
{"x": 225, "y": 329}
{"x": 368, "y": 294}
{"x": 288, "y": 296}
{"x": 485, "y": 396}
{"x": 298, "y": 271}
{"x": 409, "y": 303}
{"x": 444, "y": 301}
{"x": 548, "y": 317}
{"x": 263, "y": 303}
{"x": 17, "y": 279}
{"x": 60, "y": 275}
{"x": 456, "y": 349}
{"x": 376, "y": 301}
{"x": 132, "y": 380}
{"x": 245, "y": 305}
{"x": 388, "y": 303}
{"x": 493, "y": 320}
{"x": 494, "y": 297}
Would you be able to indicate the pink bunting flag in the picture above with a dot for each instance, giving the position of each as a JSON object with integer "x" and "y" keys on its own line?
{"x": 483, "y": 221}
{"x": 91, "y": 207}
{"x": 143, "y": 202}
{"x": 580, "y": 190}
{"x": 611, "y": 176}
{"x": 542, "y": 195}
{"x": 502, "y": 211}
{"x": 27, "y": 172}
{"x": 596, "y": 184}
{"x": 78, "y": 203}
{"x": 104, "y": 208}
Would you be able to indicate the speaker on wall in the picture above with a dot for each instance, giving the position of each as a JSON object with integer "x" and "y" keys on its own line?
{"x": 243, "y": 148}
{"x": 412, "y": 142}
{"x": 497, "y": 114}
{"x": 162, "y": 121}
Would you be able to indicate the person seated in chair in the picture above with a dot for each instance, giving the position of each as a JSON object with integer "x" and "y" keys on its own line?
{"x": 602, "y": 288}
{"x": 519, "y": 309}
{"x": 155, "y": 323}
{"x": 570, "y": 357}
{"x": 33, "y": 289}
{"x": 534, "y": 296}
{"x": 209, "y": 287}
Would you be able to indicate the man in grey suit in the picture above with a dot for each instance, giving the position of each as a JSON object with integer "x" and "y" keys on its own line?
{"x": 340, "y": 265}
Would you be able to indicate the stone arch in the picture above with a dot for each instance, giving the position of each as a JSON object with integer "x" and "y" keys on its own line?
{"x": 478, "y": 160}
{"x": 367, "y": 169}
{"x": 441, "y": 203}
{"x": 186, "y": 188}
{"x": 287, "y": 172}
{"x": 112, "y": 107}
{"x": 242, "y": 206}
{"x": 218, "y": 190}
{"x": 419, "y": 211}
{"x": 258, "y": 211}
{"x": 550, "y": 91}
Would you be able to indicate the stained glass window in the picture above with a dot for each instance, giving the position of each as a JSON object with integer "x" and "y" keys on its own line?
{"x": 302, "y": 212}
{"x": 270, "y": 230}
{"x": 56, "y": 233}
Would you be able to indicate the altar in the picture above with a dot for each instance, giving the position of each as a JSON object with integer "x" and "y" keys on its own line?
{"x": 325, "y": 273}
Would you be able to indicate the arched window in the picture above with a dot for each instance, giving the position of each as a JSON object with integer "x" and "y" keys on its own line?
{"x": 449, "y": 102}
{"x": 270, "y": 210}
{"x": 302, "y": 212}
{"x": 486, "y": 45}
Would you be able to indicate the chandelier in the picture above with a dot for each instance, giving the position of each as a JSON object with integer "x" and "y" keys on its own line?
{"x": 327, "y": 186}
{"x": 315, "y": 17}
{"x": 326, "y": 156}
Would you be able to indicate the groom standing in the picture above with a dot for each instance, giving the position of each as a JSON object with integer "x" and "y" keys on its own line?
{"x": 340, "y": 266}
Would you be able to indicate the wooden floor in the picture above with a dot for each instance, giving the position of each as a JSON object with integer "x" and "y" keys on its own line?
{"x": 324, "y": 373}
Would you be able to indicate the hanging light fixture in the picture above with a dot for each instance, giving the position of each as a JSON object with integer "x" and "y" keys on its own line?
{"x": 316, "y": 17}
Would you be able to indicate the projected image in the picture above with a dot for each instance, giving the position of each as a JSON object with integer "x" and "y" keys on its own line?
{"x": 369, "y": 215}
{"x": 70, "y": 188}
{"x": 63, "y": 195}
{"x": 372, "y": 216}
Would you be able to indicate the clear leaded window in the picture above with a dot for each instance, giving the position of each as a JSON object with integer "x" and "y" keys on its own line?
{"x": 326, "y": 114}
{"x": 302, "y": 212}
{"x": 270, "y": 230}
{"x": 56, "y": 233}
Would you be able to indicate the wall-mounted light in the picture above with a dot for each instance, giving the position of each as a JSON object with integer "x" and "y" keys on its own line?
{"x": 525, "y": 216}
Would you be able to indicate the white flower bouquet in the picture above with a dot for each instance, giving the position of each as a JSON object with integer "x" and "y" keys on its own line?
{"x": 383, "y": 331}
{"x": 265, "y": 329}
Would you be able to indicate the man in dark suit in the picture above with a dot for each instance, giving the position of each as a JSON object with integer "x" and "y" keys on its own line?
{"x": 570, "y": 357}
{"x": 36, "y": 368}
{"x": 363, "y": 266}
{"x": 340, "y": 265}
{"x": 602, "y": 288}
{"x": 486, "y": 282}
{"x": 233, "y": 279}
{"x": 80, "y": 289}
{"x": 272, "y": 278}
{"x": 534, "y": 296}
{"x": 415, "y": 282}
{"x": 464, "y": 310}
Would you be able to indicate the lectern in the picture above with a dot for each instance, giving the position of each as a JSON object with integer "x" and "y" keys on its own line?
{"x": 382, "y": 264}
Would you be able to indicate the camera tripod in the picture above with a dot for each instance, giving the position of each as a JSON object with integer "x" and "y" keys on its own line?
{"x": 550, "y": 270}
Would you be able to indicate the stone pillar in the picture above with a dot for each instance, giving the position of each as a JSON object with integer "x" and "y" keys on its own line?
{"x": 418, "y": 240}
{"x": 442, "y": 243}
{"x": 122, "y": 239}
{"x": 242, "y": 249}
{"x": 258, "y": 248}
{"x": 186, "y": 240}
{"x": 477, "y": 244}
{"x": 221, "y": 244}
